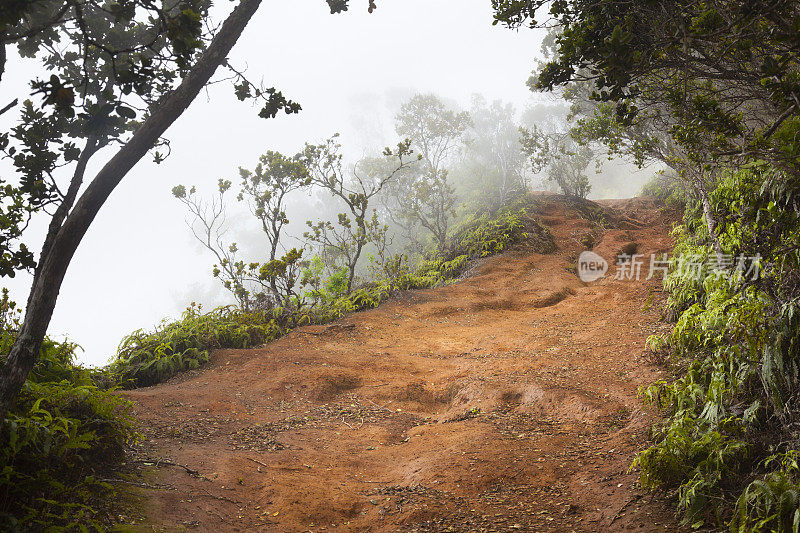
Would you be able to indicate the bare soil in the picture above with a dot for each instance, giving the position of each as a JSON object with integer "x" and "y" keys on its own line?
{"x": 504, "y": 402}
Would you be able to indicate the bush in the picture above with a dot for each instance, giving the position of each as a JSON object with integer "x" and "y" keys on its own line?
{"x": 146, "y": 358}
{"x": 495, "y": 232}
{"x": 729, "y": 444}
{"x": 64, "y": 434}
{"x": 771, "y": 503}
{"x": 666, "y": 189}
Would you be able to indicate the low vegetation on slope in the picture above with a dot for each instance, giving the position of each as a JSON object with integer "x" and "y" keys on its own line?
{"x": 729, "y": 445}
{"x": 65, "y": 432}
{"x": 146, "y": 358}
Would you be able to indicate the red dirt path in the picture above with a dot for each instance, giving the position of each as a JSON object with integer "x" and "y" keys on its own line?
{"x": 504, "y": 402}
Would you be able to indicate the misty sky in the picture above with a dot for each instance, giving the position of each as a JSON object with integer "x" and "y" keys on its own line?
{"x": 139, "y": 264}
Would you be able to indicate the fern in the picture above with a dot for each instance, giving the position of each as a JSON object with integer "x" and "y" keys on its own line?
{"x": 145, "y": 358}
{"x": 65, "y": 426}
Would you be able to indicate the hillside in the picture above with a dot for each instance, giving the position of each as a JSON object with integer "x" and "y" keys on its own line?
{"x": 506, "y": 401}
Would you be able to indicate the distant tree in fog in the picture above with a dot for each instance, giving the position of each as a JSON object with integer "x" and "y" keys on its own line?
{"x": 254, "y": 284}
{"x": 265, "y": 190}
{"x": 563, "y": 160}
{"x": 356, "y": 227}
{"x": 423, "y": 196}
{"x": 494, "y": 162}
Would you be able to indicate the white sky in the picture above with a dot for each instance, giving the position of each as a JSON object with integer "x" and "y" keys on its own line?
{"x": 139, "y": 264}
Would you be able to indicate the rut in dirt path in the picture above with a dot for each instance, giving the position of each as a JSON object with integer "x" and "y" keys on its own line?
{"x": 504, "y": 402}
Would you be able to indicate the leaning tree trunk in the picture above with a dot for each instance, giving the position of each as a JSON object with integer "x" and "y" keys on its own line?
{"x": 55, "y": 260}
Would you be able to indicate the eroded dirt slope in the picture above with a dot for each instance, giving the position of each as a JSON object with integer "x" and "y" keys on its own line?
{"x": 504, "y": 402}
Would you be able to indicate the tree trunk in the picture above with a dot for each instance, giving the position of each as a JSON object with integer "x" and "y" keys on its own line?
{"x": 695, "y": 179}
{"x": 2, "y": 56}
{"x": 352, "y": 268}
{"x": 354, "y": 263}
{"x": 53, "y": 265}
{"x": 273, "y": 252}
{"x": 711, "y": 223}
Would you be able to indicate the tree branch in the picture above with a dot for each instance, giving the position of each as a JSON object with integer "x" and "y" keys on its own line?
{"x": 10, "y": 105}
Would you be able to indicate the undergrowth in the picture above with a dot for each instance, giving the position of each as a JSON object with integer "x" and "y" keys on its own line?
{"x": 145, "y": 358}
{"x": 665, "y": 188}
{"x": 64, "y": 434}
{"x": 729, "y": 445}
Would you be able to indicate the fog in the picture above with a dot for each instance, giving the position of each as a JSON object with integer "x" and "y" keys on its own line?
{"x": 139, "y": 262}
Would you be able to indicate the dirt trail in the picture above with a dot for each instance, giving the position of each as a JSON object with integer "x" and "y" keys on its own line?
{"x": 504, "y": 402}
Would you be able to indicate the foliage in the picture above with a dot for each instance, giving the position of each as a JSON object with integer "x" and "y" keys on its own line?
{"x": 773, "y": 502}
{"x": 564, "y": 160}
{"x": 559, "y": 148}
{"x": 103, "y": 67}
{"x": 721, "y": 75}
{"x": 495, "y": 232}
{"x": 344, "y": 242}
{"x": 733, "y": 406}
{"x": 145, "y": 358}
{"x": 60, "y": 439}
{"x": 436, "y": 271}
{"x": 423, "y": 195}
{"x": 435, "y": 131}
{"x": 496, "y": 167}
{"x": 665, "y": 188}
{"x": 480, "y": 236}
{"x": 265, "y": 189}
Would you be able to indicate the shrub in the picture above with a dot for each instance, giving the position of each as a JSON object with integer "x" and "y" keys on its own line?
{"x": 729, "y": 443}
{"x": 64, "y": 434}
{"x": 145, "y": 358}
{"x": 495, "y": 232}
{"x": 666, "y": 189}
{"x": 773, "y": 502}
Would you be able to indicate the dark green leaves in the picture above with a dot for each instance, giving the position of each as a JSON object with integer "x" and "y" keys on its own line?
{"x": 275, "y": 102}
{"x": 184, "y": 31}
{"x": 12, "y": 12}
{"x": 242, "y": 91}
{"x": 125, "y": 112}
{"x": 339, "y": 6}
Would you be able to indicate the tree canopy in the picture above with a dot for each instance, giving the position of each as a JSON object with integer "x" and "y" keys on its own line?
{"x": 724, "y": 75}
